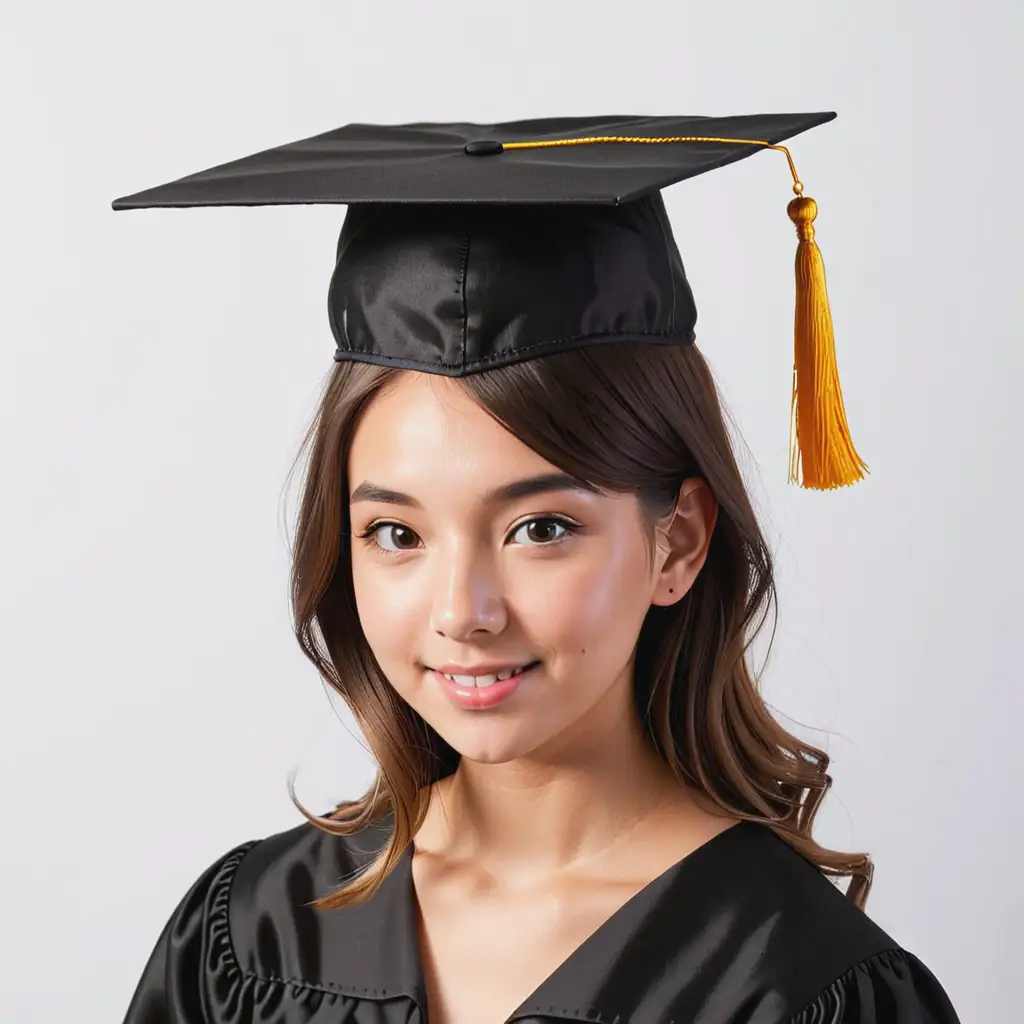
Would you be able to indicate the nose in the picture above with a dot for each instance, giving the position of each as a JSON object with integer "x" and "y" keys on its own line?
{"x": 468, "y": 595}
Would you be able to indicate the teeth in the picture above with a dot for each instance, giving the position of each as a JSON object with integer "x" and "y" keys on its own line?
{"x": 488, "y": 680}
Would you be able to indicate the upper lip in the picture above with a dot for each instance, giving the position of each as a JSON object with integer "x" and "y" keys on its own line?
{"x": 491, "y": 668}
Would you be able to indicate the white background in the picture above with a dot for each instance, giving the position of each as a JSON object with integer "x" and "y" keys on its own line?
{"x": 159, "y": 368}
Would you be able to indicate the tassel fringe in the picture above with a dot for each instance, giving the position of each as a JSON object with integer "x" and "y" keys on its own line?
{"x": 821, "y": 451}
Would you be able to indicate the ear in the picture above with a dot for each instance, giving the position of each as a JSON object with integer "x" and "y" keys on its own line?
{"x": 683, "y": 539}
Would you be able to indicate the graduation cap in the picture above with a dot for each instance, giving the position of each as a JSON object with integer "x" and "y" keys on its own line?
{"x": 468, "y": 246}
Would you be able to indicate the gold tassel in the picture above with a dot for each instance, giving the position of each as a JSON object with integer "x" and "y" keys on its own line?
{"x": 819, "y": 438}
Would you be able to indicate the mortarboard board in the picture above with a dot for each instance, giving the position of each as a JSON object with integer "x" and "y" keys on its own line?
{"x": 468, "y": 246}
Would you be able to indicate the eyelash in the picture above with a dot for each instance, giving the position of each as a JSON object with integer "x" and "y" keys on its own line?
{"x": 570, "y": 529}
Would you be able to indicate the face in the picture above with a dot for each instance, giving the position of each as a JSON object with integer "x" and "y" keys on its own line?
{"x": 472, "y": 554}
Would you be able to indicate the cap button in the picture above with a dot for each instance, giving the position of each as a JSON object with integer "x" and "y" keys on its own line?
{"x": 483, "y": 147}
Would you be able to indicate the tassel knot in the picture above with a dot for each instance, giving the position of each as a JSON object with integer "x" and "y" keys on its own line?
{"x": 802, "y": 212}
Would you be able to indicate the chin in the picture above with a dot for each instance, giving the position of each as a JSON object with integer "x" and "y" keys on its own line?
{"x": 488, "y": 742}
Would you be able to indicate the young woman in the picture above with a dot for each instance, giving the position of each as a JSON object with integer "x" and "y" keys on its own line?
{"x": 527, "y": 560}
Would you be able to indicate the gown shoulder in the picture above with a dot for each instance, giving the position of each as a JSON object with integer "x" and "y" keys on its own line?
{"x": 890, "y": 987}
{"x": 224, "y": 953}
{"x": 192, "y": 950}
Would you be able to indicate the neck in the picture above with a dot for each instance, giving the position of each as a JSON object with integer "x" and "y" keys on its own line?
{"x": 571, "y": 802}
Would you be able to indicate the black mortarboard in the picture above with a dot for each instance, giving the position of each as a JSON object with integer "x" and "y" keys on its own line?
{"x": 470, "y": 246}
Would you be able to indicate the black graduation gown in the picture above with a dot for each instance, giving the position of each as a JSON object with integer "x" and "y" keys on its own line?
{"x": 743, "y": 930}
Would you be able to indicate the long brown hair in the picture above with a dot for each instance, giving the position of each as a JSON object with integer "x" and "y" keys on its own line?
{"x": 626, "y": 417}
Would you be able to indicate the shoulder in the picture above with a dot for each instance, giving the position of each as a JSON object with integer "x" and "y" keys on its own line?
{"x": 273, "y": 884}
{"x": 237, "y": 933}
{"x": 747, "y": 929}
{"x": 300, "y": 864}
{"x": 827, "y": 959}
{"x": 890, "y": 987}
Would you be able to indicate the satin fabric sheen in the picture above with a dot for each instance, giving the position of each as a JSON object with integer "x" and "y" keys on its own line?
{"x": 456, "y": 289}
{"x": 744, "y": 930}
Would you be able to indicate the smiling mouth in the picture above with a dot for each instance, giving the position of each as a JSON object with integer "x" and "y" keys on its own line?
{"x": 482, "y": 682}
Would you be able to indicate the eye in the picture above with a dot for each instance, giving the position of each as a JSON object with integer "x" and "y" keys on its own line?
{"x": 542, "y": 531}
{"x": 545, "y": 534}
{"x": 403, "y": 538}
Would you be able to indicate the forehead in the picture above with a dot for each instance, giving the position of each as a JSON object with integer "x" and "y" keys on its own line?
{"x": 424, "y": 426}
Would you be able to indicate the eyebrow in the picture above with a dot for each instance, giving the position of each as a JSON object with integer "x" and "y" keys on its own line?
{"x": 525, "y": 488}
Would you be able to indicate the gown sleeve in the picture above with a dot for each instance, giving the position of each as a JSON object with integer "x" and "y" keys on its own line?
{"x": 891, "y": 987}
{"x": 192, "y": 952}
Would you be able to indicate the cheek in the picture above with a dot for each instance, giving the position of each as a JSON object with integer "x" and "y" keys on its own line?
{"x": 594, "y": 604}
{"x": 387, "y": 612}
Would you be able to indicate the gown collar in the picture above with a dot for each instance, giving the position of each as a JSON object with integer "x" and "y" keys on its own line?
{"x": 600, "y": 981}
